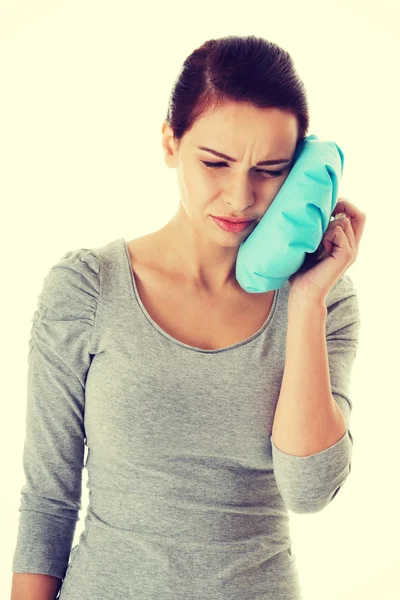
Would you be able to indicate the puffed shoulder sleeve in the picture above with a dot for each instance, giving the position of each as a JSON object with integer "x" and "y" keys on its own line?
{"x": 59, "y": 357}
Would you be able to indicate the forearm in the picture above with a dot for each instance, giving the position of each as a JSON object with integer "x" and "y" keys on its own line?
{"x": 34, "y": 586}
{"x": 307, "y": 419}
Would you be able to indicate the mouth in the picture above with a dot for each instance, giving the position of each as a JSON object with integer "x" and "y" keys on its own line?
{"x": 232, "y": 226}
{"x": 234, "y": 219}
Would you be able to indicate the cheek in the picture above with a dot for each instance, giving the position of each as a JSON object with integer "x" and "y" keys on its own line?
{"x": 199, "y": 188}
{"x": 192, "y": 180}
{"x": 195, "y": 193}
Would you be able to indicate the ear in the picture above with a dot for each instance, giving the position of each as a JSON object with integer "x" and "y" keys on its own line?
{"x": 169, "y": 145}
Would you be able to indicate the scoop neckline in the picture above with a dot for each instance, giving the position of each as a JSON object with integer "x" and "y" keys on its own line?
{"x": 182, "y": 344}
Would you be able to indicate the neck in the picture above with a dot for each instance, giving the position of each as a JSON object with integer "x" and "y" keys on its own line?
{"x": 201, "y": 264}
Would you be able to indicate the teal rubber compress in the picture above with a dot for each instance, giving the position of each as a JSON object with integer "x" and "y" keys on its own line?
{"x": 296, "y": 221}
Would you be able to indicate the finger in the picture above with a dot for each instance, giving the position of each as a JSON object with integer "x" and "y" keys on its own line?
{"x": 351, "y": 210}
{"x": 344, "y": 205}
{"x": 347, "y": 228}
{"x": 341, "y": 235}
{"x": 357, "y": 218}
{"x": 345, "y": 225}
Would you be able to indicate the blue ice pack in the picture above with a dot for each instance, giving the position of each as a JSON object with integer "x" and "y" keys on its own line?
{"x": 296, "y": 221}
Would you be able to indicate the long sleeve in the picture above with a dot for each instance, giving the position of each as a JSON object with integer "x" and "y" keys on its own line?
{"x": 309, "y": 483}
{"x": 58, "y": 361}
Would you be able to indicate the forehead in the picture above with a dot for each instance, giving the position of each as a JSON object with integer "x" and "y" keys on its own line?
{"x": 236, "y": 124}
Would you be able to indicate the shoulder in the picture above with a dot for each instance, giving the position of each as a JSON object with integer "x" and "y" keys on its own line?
{"x": 73, "y": 282}
{"x": 81, "y": 260}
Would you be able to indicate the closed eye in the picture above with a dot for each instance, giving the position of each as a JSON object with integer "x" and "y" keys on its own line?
{"x": 224, "y": 164}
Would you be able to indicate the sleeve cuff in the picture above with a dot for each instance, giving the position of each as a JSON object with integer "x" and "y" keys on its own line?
{"x": 309, "y": 483}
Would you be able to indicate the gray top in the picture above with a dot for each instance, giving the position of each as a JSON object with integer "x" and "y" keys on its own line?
{"x": 188, "y": 496}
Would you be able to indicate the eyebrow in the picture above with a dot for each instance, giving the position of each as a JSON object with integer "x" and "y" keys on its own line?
{"x": 263, "y": 162}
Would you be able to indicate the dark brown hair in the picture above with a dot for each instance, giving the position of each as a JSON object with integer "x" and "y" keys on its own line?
{"x": 239, "y": 69}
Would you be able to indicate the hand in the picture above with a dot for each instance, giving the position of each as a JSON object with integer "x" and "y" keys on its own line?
{"x": 341, "y": 243}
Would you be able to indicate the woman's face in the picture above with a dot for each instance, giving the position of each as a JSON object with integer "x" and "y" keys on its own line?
{"x": 241, "y": 188}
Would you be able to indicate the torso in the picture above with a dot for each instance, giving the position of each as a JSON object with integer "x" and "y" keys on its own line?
{"x": 194, "y": 319}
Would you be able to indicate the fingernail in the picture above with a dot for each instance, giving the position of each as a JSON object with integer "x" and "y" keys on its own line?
{"x": 341, "y": 215}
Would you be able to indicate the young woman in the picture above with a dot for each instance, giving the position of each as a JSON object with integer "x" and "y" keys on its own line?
{"x": 149, "y": 352}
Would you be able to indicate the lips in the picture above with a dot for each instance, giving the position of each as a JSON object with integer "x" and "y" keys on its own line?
{"x": 232, "y": 227}
{"x": 232, "y": 220}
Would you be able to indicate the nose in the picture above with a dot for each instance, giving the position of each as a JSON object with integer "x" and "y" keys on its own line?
{"x": 240, "y": 196}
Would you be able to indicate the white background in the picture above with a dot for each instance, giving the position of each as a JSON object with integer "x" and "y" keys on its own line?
{"x": 84, "y": 88}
